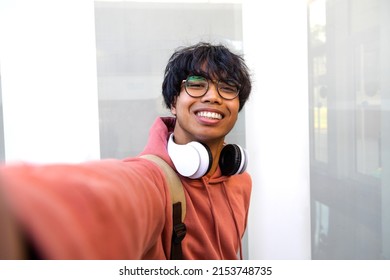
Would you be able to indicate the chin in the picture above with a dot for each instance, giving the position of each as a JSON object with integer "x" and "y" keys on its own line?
{"x": 209, "y": 137}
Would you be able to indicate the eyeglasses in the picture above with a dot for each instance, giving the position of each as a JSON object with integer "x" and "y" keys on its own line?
{"x": 197, "y": 86}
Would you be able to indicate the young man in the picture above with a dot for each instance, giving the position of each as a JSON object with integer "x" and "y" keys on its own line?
{"x": 113, "y": 209}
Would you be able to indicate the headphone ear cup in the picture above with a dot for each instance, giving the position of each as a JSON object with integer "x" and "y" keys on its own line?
{"x": 205, "y": 159}
{"x": 233, "y": 160}
{"x": 192, "y": 160}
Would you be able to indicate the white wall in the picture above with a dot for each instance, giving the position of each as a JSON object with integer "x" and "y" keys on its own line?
{"x": 275, "y": 48}
{"x": 49, "y": 86}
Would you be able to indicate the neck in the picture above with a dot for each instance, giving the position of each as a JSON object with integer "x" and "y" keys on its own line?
{"x": 215, "y": 149}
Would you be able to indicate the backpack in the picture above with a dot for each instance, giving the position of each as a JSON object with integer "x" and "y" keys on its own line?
{"x": 178, "y": 205}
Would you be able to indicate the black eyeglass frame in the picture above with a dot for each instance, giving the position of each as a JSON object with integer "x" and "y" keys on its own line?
{"x": 185, "y": 82}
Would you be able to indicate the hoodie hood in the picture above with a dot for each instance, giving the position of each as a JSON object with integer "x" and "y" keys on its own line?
{"x": 158, "y": 138}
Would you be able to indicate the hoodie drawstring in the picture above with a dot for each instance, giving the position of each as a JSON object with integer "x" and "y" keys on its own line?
{"x": 216, "y": 229}
{"x": 235, "y": 220}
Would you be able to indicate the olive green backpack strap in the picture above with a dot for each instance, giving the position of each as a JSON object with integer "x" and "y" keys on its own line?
{"x": 178, "y": 205}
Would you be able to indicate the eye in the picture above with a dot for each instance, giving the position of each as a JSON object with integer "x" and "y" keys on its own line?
{"x": 196, "y": 86}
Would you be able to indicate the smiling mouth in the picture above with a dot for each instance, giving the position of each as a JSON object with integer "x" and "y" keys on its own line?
{"x": 209, "y": 115}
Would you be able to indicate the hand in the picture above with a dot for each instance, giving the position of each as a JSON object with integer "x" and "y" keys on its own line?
{"x": 11, "y": 245}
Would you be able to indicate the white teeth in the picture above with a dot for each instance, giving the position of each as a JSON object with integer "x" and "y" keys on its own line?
{"x": 210, "y": 115}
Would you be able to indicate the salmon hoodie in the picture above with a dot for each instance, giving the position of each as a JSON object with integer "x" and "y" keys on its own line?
{"x": 121, "y": 209}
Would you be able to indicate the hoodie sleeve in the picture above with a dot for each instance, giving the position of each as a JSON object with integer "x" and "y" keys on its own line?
{"x": 107, "y": 209}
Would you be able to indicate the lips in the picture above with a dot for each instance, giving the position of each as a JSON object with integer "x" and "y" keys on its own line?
{"x": 209, "y": 115}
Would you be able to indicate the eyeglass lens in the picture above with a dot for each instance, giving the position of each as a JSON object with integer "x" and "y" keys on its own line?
{"x": 197, "y": 86}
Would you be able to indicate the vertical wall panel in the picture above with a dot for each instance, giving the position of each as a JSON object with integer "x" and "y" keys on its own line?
{"x": 275, "y": 44}
{"x": 49, "y": 85}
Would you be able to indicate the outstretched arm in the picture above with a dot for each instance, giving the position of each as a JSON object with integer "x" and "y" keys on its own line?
{"x": 106, "y": 209}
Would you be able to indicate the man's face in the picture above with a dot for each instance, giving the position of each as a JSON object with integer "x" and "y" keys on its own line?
{"x": 207, "y": 119}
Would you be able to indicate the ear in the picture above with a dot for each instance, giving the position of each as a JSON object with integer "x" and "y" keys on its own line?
{"x": 173, "y": 106}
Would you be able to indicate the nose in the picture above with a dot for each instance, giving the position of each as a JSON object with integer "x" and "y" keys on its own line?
{"x": 212, "y": 95}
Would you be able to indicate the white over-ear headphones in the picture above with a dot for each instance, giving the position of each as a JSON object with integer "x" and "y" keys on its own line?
{"x": 194, "y": 159}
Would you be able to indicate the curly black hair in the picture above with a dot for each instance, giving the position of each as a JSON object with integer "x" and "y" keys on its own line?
{"x": 210, "y": 61}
